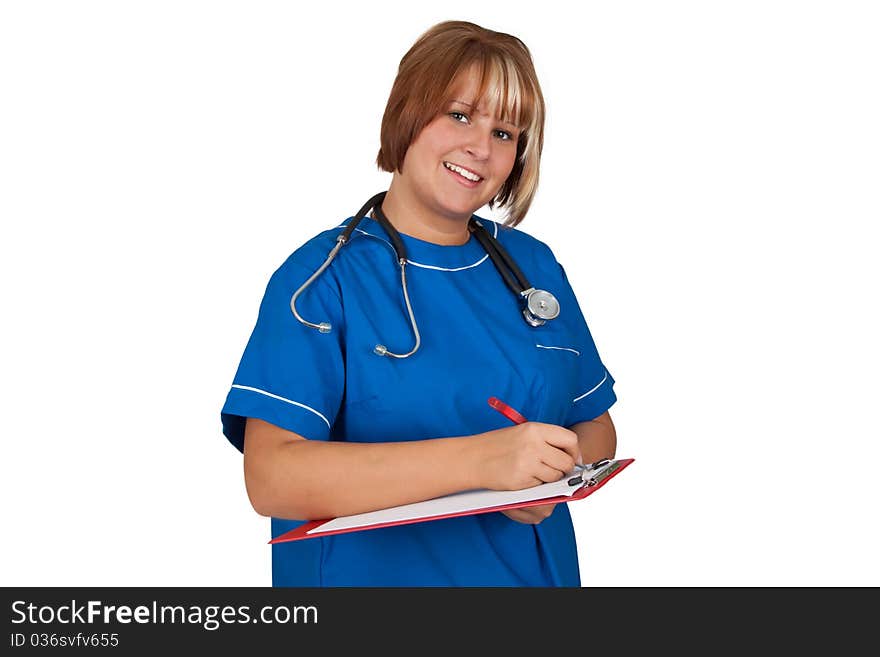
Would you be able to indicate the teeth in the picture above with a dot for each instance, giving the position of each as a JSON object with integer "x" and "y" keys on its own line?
{"x": 464, "y": 172}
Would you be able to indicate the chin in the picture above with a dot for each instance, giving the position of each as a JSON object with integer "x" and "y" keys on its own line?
{"x": 466, "y": 204}
{"x": 463, "y": 209}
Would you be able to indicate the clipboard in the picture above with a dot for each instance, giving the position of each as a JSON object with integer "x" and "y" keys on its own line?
{"x": 579, "y": 484}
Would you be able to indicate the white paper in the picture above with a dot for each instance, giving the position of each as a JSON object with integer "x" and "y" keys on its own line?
{"x": 455, "y": 503}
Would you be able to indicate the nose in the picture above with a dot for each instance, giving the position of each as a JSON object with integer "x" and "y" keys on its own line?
{"x": 480, "y": 144}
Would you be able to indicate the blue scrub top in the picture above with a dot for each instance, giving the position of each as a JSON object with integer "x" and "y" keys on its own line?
{"x": 475, "y": 345}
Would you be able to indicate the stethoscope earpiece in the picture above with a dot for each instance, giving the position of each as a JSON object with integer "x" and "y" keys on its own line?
{"x": 540, "y": 305}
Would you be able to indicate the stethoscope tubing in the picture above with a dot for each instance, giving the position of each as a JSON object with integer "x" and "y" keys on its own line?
{"x": 535, "y": 314}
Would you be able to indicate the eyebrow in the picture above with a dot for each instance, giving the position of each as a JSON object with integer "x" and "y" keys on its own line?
{"x": 471, "y": 106}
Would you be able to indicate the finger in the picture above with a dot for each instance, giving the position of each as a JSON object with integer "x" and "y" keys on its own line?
{"x": 547, "y": 474}
{"x": 512, "y": 515}
{"x": 531, "y": 515}
{"x": 520, "y": 515}
{"x": 564, "y": 439}
{"x": 558, "y": 459}
{"x": 541, "y": 511}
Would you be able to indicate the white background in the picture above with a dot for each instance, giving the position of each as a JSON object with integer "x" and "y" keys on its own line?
{"x": 709, "y": 180}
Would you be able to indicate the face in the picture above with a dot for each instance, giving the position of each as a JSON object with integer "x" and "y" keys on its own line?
{"x": 464, "y": 137}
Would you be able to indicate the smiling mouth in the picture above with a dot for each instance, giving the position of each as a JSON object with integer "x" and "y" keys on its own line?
{"x": 464, "y": 173}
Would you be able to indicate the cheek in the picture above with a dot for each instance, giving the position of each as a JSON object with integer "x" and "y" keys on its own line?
{"x": 419, "y": 159}
{"x": 505, "y": 164}
{"x": 430, "y": 148}
{"x": 442, "y": 136}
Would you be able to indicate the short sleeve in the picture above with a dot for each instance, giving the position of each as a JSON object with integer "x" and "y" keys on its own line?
{"x": 594, "y": 393}
{"x": 290, "y": 375}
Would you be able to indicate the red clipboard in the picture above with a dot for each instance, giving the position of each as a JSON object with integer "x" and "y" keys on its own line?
{"x": 591, "y": 485}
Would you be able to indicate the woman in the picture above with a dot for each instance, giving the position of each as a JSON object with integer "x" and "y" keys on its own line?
{"x": 331, "y": 425}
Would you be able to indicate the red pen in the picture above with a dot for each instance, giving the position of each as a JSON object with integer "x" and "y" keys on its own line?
{"x": 506, "y": 410}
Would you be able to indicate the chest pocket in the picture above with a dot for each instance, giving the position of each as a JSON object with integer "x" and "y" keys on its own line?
{"x": 559, "y": 365}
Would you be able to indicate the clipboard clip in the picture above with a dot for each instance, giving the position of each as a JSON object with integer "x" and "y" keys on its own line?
{"x": 602, "y": 469}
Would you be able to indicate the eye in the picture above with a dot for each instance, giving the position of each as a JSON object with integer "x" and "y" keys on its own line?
{"x": 504, "y": 135}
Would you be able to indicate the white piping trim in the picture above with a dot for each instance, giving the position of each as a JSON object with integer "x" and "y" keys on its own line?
{"x": 289, "y": 401}
{"x": 476, "y": 264}
{"x": 418, "y": 264}
{"x": 574, "y": 351}
{"x": 589, "y": 392}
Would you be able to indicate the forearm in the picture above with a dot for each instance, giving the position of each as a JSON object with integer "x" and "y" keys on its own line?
{"x": 306, "y": 479}
{"x": 597, "y": 438}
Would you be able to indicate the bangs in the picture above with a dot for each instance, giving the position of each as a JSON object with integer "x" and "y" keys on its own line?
{"x": 505, "y": 93}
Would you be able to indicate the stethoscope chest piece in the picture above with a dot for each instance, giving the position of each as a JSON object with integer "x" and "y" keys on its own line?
{"x": 540, "y": 306}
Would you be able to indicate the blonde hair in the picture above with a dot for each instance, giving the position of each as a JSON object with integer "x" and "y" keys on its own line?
{"x": 421, "y": 90}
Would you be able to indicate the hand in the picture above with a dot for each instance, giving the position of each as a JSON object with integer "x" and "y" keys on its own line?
{"x": 525, "y": 455}
{"x": 530, "y": 515}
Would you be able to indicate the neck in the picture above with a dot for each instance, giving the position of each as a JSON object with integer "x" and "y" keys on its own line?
{"x": 410, "y": 216}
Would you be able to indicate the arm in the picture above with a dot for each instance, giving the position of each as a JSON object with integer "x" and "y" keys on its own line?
{"x": 288, "y": 476}
{"x": 597, "y": 439}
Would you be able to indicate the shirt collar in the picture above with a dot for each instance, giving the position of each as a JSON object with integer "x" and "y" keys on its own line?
{"x": 428, "y": 255}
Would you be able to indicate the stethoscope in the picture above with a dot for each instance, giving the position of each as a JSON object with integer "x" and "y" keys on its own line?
{"x": 538, "y": 307}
